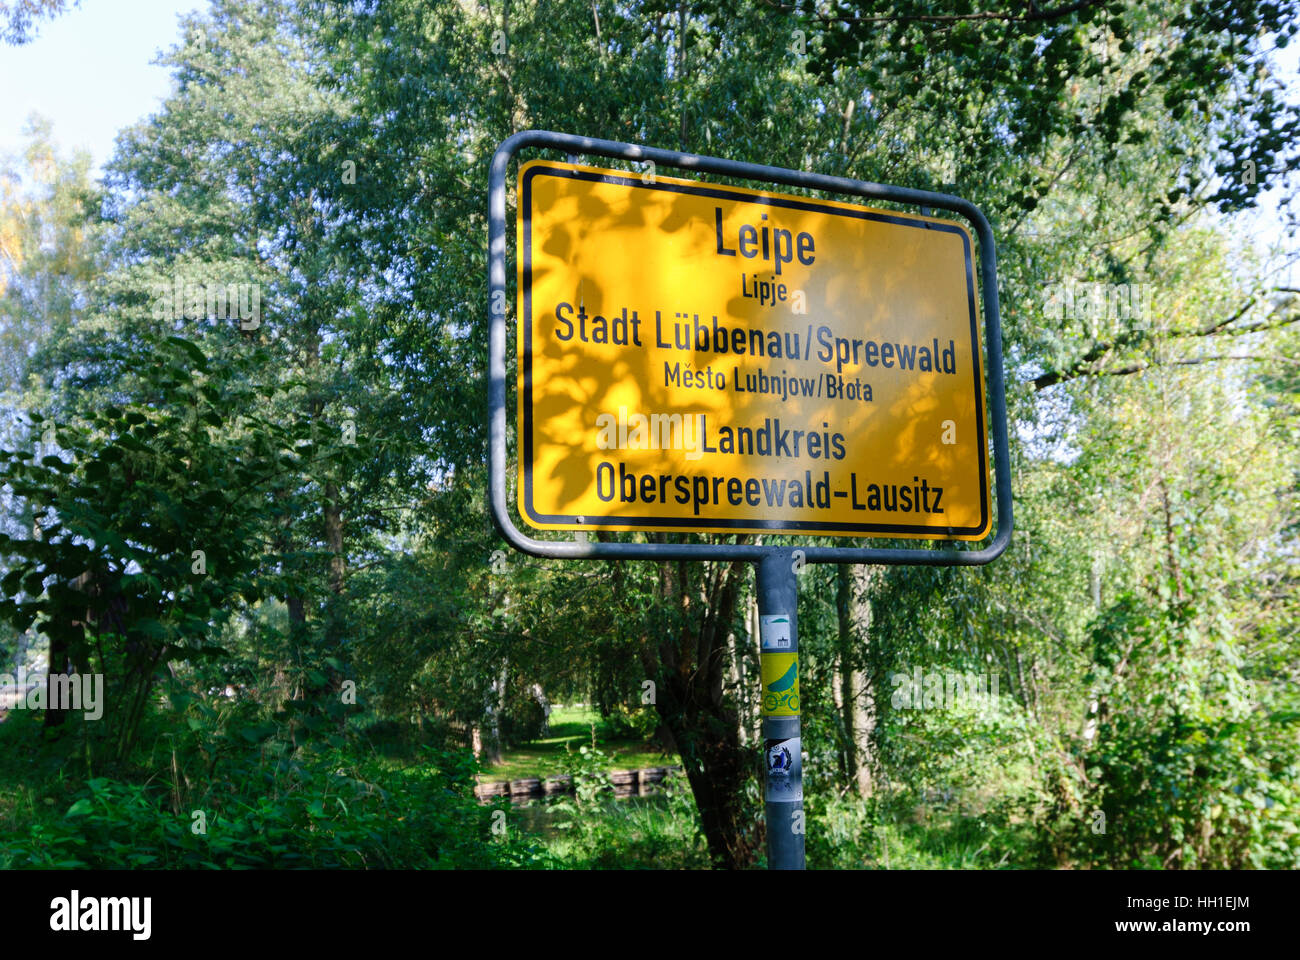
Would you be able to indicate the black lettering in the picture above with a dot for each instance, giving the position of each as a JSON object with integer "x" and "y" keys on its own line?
{"x": 748, "y": 241}
{"x": 701, "y": 493}
{"x": 717, "y": 219}
{"x": 782, "y": 257}
{"x": 826, "y": 348}
{"x": 559, "y": 315}
{"x": 873, "y": 497}
{"x": 782, "y": 439}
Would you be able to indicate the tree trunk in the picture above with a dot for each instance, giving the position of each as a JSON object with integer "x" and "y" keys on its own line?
{"x": 853, "y": 611}
{"x": 739, "y": 684}
{"x": 717, "y": 768}
{"x": 20, "y": 653}
{"x": 844, "y": 753}
{"x": 488, "y": 740}
{"x": 493, "y": 705}
{"x": 334, "y": 608}
{"x": 692, "y": 664}
{"x": 864, "y": 725}
{"x": 334, "y": 536}
{"x": 59, "y": 663}
{"x": 284, "y": 690}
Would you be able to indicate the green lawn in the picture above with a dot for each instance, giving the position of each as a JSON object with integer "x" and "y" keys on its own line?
{"x": 571, "y": 728}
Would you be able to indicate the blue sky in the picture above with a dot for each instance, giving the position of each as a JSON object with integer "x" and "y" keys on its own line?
{"x": 89, "y": 71}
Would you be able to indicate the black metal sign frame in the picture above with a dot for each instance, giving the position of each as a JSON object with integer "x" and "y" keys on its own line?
{"x": 582, "y": 549}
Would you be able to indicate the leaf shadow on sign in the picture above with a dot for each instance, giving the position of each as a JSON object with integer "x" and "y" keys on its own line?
{"x": 872, "y": 298}
{"x": 591, "y": 223}
{"x": 568, "y": 393}
{"x": 895, "y": 287}
{"x": 931, "y": 398}
{"x": 592, "y": 240}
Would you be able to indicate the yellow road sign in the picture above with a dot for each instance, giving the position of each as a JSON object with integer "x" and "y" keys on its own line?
{"x": 698, "y": 357}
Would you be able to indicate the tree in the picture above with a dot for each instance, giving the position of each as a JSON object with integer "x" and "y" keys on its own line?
{"x": 18, "y": 18}
{"x": 147, "y": 527}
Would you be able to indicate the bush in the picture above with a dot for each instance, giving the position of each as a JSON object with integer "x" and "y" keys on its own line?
{"x": 327, "y": 811}
{"x": 661, "y": 832}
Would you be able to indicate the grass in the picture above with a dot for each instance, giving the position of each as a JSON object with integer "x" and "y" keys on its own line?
{"x": 571, "y": 728}
{"x": 39, "y": 781}
{"x": 659, "y": 832}
{"x": 848, "y": 833}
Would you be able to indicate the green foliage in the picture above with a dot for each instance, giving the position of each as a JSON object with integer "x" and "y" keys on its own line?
{"x": 852, "y": 833}
{"x": 589, "y": 768}
{"x": 639, "y": 723}
{"x": 146, "y": 527}
{"x": 19, "y": 19}
{"x": 661, "y": 832}
{"x": 333, "y": 811}
{"x": 1188, "y": 770}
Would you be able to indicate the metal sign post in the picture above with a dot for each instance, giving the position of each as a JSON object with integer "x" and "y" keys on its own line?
{"x": 613, "y": 266}
{"x": 778, "y": 595}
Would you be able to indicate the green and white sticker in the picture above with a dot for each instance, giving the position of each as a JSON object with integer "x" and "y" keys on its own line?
{"x": 774, "y": 632}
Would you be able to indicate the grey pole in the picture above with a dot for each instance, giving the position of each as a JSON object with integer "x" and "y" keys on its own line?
{"x": 779, "y": 655}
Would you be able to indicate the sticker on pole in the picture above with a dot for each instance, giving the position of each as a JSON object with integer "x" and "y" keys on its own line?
{"x": 780, "y": 674}
{"x": 784, "y": 771}
{"x": 774, "y": 632}
{"x": 698, "y": 357}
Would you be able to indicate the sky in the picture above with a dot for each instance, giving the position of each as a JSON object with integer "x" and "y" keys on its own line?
{"x": 89, "y": 70}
